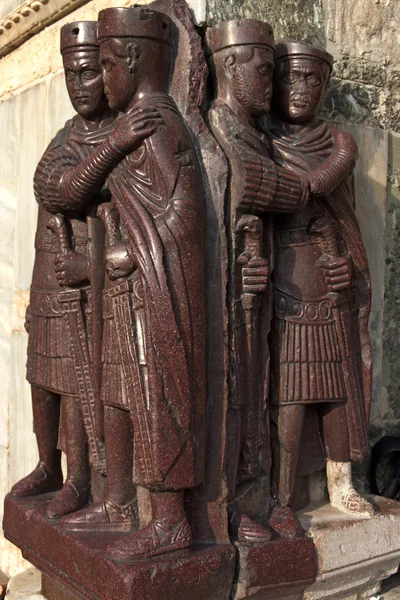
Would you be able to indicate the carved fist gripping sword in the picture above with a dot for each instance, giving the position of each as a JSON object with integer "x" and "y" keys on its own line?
{"x": 323, "y": 228}
{"x": 71, "y": 307}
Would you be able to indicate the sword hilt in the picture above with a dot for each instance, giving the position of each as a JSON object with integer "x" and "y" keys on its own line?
{"x": 324, "y": 229}
{"x": 252, "y": 228}
{"x": 57, "y": 224}
{"x": 108, "y": 213}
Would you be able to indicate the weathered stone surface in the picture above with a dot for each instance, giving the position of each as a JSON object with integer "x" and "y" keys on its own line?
{"x": 391, "y": 332}
{"x": 301, "y": 19}
{"x": 354, "y": 555}
{"x": 363, "y": 27}
{"x": 11, "y": 561}
{"x": 31, "y": 144}
{"x": 6, "y": 6}
{"x": 26, "y": 586}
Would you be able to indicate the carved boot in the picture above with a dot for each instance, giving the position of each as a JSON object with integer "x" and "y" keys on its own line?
{"x": 72, "y": 497}
{"x": 244, "y": 529}
{"x": 103, "y": 516}
{"x": 42, "y": 480}
{"x": 158, "y": 537}
{"x": 285, "y": 523}
{"x": 342, "y": 494}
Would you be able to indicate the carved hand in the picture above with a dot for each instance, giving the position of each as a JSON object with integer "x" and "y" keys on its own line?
{"x": 134, "y": 127}
{"x": 255, "y": 274}
{"x": 119, "y": 261}
{"x": 71, "y": 268}
{"x": 337, "y": 273}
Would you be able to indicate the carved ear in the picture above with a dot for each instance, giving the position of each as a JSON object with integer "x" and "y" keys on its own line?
{"x": 133, "y": 55}
{"x": 230, "y": 64}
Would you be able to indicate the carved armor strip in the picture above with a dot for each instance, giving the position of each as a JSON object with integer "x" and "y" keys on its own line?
{"x": 310, "y": 363}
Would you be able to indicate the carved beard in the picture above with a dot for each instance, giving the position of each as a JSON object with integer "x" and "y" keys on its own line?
{"x": 255, "y": 102}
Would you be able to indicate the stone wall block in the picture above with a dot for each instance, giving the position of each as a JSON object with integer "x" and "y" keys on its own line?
{"x": 9, "y": 135}
{"x": 23, "y": 448}
{"x": 391, "y": 331}
{"x": 32, "y": 143}
{"x": 301, "y": 19}
{"x": 57, "y": 97}
{"x": 363, "y": 28}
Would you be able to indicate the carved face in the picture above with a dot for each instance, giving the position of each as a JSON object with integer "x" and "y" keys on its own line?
{"x": 118, "y": 59}
{"x": 251, "y": 80}
{"x": 299, "y": 88}
{"x": 84, "y": 82}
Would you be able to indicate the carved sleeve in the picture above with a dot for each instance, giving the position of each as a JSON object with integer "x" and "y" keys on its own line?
{"x": 63, "y": 184}
{"x": 325, "y": 178}
{"x": 270, "y": 188}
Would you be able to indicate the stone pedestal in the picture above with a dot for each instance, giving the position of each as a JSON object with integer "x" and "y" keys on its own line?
{"x": 354, "y": 555}
{"x": 74, "y": 565}
{"x": 281, "y": 569}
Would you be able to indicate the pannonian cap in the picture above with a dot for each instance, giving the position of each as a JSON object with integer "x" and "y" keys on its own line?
{"x": 288, "y": 48}
{"x": 77, "y": 35}
{"x": 136, "y": 22}
{"x": 240, "y": 32}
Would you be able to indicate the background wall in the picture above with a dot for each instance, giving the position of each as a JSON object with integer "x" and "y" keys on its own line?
{"x": 364, "y": 96}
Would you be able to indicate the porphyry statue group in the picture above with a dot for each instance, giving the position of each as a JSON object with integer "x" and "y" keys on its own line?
{"x": 117, "y": 316}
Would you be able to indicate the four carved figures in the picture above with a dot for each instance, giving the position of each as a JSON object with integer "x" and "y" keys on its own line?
{"x": 118, "y": 306}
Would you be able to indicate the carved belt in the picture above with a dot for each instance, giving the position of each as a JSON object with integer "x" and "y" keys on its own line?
{"x": 295, "y": 237}
{"x": 134, "y": 287}
{"x": 46, "y": 240}
{"x": 289, "y": 307}
{"x": 47, "y": 304}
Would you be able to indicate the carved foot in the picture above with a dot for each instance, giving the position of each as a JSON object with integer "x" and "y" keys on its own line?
{"x": 103, "y": 516}
{"x": 342, "y": 494}
{"x": 244, "y": 529}
{"x": 42, "y": 480}
{"x": 155, "y": 538}
{"x": 351, "y": 503}
{"x": 71, "y": 498}
{"x": 285, "y": 523}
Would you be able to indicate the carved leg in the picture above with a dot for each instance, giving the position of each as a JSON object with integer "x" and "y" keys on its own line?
{"x": 118, "y": 510}
{"x": 342, "y": 494}
{"x": 168, "y": 530}
{"x": 241, "y": 527}
{"x": 47, "y": 476}
{"x": 290, "y": 427}
{"x": 75, "y": 492}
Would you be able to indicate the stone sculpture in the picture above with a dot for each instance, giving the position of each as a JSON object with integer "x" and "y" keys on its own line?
{"x": 320, "y": 349}
{"x": 118, "y": 314}
{"x": 61, "y": 323}
{"x": 243, "y": 60}
{"x": 159, "y": 345}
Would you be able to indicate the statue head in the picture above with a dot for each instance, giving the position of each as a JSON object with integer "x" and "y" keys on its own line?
{"x": 135, "y": 53}
{"x": 81, "y": 59}
{"x": 243, "y": 59}
{"x": 301, "y": 76}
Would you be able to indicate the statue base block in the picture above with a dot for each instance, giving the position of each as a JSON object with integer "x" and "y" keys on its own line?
{"x": 354, "y": 555}
{"x": 74, "y": 565}
{"x": 281, "y": 568}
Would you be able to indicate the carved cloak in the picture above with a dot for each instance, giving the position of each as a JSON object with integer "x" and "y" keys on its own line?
{"x": 159, "y": 195}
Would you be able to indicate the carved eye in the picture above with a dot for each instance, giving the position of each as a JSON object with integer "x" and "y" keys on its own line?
{"x": 313, "y": 80}
{"x": 90, "y": 75}
{"x": 69, "y": 76}
{"x": 290, "y": 78}
{"x": 264, "y": 70}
